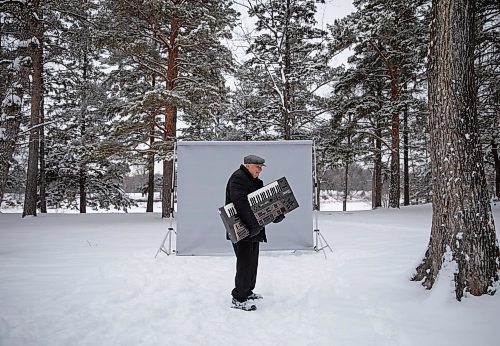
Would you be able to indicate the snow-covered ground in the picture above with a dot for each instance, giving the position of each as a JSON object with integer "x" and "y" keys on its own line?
{"x": 70, "y": 279}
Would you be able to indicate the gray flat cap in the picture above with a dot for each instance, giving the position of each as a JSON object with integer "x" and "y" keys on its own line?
{"x": 254, "y": 159}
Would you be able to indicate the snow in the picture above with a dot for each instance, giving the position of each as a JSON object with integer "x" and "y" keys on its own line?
{"x": 92, "y": 279}
{"x": 21, "y": 2}
{"x": 11, "y": 100}
{"x": 26, "y": 43}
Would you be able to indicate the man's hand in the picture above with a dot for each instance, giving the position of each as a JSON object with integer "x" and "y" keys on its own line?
{"x": 279, "y": 218}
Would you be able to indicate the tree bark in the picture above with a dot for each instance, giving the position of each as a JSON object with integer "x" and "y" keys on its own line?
{"x": 463, "y": 238}
{"x": 286, "y": 83}
{"x": 169, "y": 133}
{"x": 83, "y": 131}
{"x": 151, "y": 165}
{"x": 43, "y": 180}
{"x": 377, "y": 172}
{"x": 151, "y": 153}
{"x": 82, "y": 182}
{"x": 395, "y": 188}
{"x": 30, "y": 195}
{"x": 406, "y": 173}
{"x": 12, "y": 87}
{"x": 395, "y": 180}
{"x": 346, "y": 173}
{"x": 377, "y": 158}
{"x": 494, "y": 152}
{"x": 346, "y": 186}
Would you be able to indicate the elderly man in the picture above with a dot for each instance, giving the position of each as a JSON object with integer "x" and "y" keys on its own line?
{"x": 242, "y": 182}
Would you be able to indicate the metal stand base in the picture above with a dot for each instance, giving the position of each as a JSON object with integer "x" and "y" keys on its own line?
{"x": 171, "y": 213}
{"x": 320, "y": 242}
{"x": 168, "y": 236}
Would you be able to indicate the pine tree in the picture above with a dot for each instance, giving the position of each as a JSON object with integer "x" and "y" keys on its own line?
{"x": 15, "y": 65}
{"x": 463, "y": 239}
{"x": 488, "y": 98}
{"x": 136, "y": 134}
{"x": 389, "y": 44}
{"x": 286, "y": 67}
{"x": 178, "y": 42}
{"x": 367, "y": 98}
{"x": 80, "y": 172}
{"x": 34, "y": 15}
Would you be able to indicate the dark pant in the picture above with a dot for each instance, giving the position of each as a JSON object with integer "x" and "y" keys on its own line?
{"x": 247, "y": 260}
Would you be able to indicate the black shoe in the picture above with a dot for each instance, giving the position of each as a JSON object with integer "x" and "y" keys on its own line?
{"x": 246, "y": 305}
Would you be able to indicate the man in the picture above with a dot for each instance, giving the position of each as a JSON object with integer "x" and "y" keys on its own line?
{"x": 242, "y": 182}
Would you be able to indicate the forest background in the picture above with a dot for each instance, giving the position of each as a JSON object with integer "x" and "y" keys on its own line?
{"x": 96, "y": 92}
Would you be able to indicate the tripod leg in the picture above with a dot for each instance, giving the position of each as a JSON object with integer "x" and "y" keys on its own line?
{"x": 322, "y": 245}
{"x": 327, "y": 245}
{"x": 162, "y": 245}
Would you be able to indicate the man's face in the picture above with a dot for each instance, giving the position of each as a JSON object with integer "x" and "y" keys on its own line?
{"x": 254, "y": 169}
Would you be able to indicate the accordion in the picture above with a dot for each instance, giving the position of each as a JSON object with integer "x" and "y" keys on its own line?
{"x": 267, "y": 203}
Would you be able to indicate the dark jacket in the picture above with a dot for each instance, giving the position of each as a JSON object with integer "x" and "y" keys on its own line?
{"x": 239, "y": 185}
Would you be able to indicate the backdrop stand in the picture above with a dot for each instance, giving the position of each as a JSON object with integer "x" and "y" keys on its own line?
{"x": 320, "y": 242}
{"x": 170, "y": 228}
{"x": 168, "y": 236}
{"x": 203, "y": 169}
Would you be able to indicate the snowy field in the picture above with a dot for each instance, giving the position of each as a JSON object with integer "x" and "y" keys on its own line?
{"x": 70, "y": 279}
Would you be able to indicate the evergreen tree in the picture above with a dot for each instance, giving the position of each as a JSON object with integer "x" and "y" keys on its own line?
{"x": 178, "y": 42}
{"x": 15, "y": 64}
{"x": 80, "y": 172}
{"x": 367, "y": 96}
{"x": 287, "y": 66}
{"x": 34, "y": 16}
{"x": 463, "y": 239}
{"x": 389, "y": 39}
{"x": 488, "y": 98}
{"x": 136, "y": 136}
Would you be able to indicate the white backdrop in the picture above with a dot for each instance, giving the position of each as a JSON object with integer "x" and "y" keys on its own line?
{"x": 203, "y": 169}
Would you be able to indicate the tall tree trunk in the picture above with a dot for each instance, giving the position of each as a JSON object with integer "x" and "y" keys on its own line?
{"x": 393, "y": 69}
{"x": 82, "y": 182}
{"x": 494, "y": 152}
{"x": 377, "y": 171}
{"x": 463, "y": 239}
{"x": 151, "y": 184}
{"x": 151, "y": 153}
{"x": 83, "y": 133}
{"x": 168, "y": 187}
{"x": 286, "y": 82}
{"x": 30, "y": 195}
{"x": 377, "y": 157}
{"x": 346, "y": 173}
{"x": 43, "y": 180}
{"x": 12, "y": 89}
{"x": 395, "y": 188}
{"x": 406, "y": 173}
{"x": 169, "y": 133}
{"x": 151, "y": 164}
{"x": 346, "y": 186}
